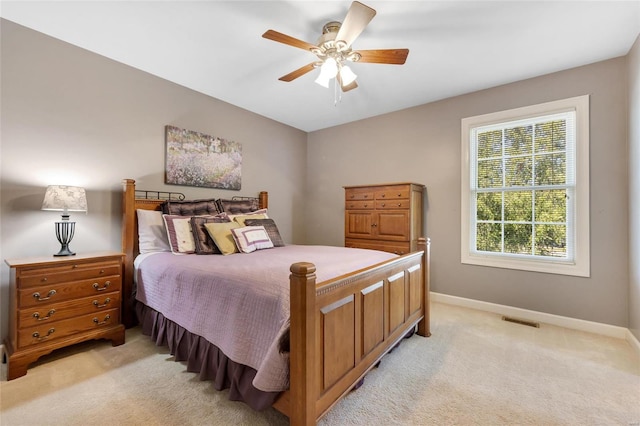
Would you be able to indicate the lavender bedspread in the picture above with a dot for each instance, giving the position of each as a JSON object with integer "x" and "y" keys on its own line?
{"x": 240, "y": 303}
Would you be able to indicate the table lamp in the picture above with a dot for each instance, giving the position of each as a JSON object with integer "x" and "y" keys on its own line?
{"x": 65, "y": 199}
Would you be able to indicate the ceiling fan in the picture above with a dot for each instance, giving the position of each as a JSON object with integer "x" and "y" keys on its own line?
{"x": 333, "y": 49}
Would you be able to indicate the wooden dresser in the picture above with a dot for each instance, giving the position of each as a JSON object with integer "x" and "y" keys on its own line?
{"x": 385, "y": 217}
{"x": 59, "y": 301}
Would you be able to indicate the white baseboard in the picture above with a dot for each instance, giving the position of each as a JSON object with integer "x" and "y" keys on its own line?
{"x": 633, "y": 341}
{"x": 572, "y": 323}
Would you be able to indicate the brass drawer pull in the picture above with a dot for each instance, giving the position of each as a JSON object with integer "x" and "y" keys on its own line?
{"x": 36, "y": 315}
{"x": 98, "y": 288}
{"x": 106, "y": 302}
{"x": 36, "y": 296}
{"x": 36, "y": 335}
{"x": 106, "y": 320}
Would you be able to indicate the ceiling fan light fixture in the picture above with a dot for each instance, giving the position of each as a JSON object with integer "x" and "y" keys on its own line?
{"x": 347, "y": 75}
{"x": 329, "y": 69}
{"x": 323, "y": 81}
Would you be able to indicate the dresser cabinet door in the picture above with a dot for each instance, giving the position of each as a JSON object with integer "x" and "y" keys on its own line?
{"x": 359, "y": 224}
{"x": 392, "y": 225}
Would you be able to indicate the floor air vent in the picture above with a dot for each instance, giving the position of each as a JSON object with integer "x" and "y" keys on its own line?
{"x": 521, "y": 321}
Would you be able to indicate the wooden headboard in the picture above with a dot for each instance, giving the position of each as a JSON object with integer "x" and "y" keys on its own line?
{"x": 133, "y": 200}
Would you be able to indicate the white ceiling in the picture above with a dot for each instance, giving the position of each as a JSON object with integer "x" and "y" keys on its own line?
{"x": 456, "y": 47}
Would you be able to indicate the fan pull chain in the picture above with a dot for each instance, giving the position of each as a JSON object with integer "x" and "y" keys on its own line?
{"x": 337, "y": 93}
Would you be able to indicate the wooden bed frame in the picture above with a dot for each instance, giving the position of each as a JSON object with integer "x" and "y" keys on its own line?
{"x": 340, "y": 329}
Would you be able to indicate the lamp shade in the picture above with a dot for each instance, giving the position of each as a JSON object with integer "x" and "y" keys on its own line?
{"x": 65, "y": 198}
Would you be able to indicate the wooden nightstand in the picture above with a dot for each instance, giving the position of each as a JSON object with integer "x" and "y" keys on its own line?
{"x": 59, "y": 301}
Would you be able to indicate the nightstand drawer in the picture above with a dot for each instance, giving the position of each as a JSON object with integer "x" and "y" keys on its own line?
{"x": 57, "y": 274}
{"x": 59, "y": 329}
{"x": 46, "y": 295}
{"x": 43, "y": 315}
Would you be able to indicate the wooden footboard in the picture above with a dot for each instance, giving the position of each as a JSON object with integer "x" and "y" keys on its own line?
{"x": 341, "y": 328}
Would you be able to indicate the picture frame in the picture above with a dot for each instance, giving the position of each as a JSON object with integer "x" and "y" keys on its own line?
{"x": 197, "y": 159}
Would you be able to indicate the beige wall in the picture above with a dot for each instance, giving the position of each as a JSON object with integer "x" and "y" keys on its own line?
{"x": 422, "y": 144}
{"x": 72, "y": 117}
{"x": 634, "y": 188}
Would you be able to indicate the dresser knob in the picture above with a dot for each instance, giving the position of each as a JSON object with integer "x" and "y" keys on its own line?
{"x": 383, "y": 204}
{"x": 384, "y": 195}
{"x": 74, "y": 266}
{"x": 36, "y": 315}
{"x": 98, "y": 305}
{"x": 106, "y": 319}
{"x": 44, "y": 279}
{"x": 36, "y": 335}
{"x": 98, "y": 288}
{"x": 102, "y": 271}
{"x": 36, "y": 296}
{"x": 399, "y": 204}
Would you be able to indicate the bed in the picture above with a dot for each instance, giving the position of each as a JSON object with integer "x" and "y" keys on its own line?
{"x": 332, "y": 324}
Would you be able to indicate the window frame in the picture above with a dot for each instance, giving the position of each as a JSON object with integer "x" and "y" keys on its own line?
{"x": 580, "y": 266}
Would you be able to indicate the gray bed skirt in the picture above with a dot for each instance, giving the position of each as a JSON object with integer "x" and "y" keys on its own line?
{"x": 204, "y": 358}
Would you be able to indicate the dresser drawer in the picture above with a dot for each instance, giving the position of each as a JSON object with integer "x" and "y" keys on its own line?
{"x": 360, "y": 205}
{"x": 393, "y": 193}
{"x": 64, "y": 273}
{"x": 397, "y": 248}
{"x": 354, "y": 194}
{"x": 392, "y": 204}
{"x": 49, "y": 313}
{"x": 56, "y": 330}
{"x": 47, "y": 295}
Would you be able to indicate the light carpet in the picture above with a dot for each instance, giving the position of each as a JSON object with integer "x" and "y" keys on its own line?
{"x": 475, "y": 370}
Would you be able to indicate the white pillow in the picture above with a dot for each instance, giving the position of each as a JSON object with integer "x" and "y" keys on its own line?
{"x": 251, "y": 238}
{"x": 152, "y": 234}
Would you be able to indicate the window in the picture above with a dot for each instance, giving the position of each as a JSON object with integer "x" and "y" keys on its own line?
{"x": 525, "y": 188}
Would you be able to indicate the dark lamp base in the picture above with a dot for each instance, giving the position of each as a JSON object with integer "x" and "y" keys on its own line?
{"x": 64, "y": 233}
{"x": 64, "y": 251}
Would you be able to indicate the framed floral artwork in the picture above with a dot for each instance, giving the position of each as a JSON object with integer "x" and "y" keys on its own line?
{"x": 197, "y": 159}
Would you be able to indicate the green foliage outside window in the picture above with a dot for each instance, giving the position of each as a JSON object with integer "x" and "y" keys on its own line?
{"x": 521, "y": 190}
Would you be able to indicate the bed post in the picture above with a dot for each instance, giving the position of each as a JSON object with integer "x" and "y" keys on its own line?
{"x": 128, "y": 243}
{"x": 424, "y": 326}
{"x": 303, "y": 386}
{"x": 263, "y": 199}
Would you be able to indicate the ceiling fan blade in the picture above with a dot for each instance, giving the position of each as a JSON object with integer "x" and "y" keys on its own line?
{"x": 355, "y": 22}
{"x": 285, "y": 39}
{"x": 384, "y": 56}
{"x": 297, "y": 73}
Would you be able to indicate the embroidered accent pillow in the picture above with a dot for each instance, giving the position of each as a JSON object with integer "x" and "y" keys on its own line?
{"x": 179, "y": 233}
{"x": 251, "y": 238}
